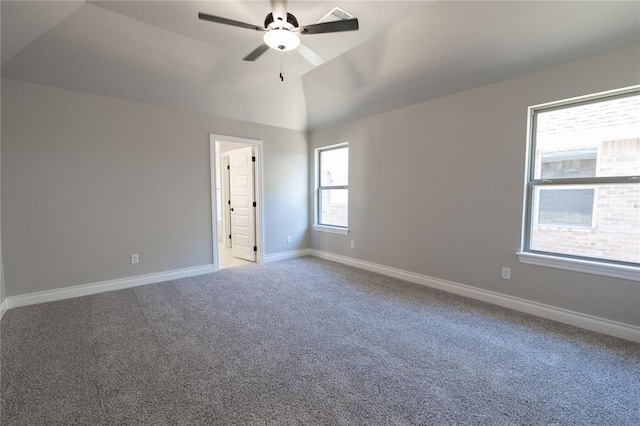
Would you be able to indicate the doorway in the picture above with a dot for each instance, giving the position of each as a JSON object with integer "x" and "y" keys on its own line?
{"x": 236, "y": 195}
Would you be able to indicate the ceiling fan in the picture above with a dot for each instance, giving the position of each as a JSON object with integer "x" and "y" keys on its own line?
{"x": 282, "y": 31}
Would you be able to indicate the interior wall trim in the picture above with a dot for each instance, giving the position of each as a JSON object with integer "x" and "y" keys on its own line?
{"x": 102, "y": 286}
{"x": 577, "y": 319}
{"x": 286, "y": 255}
{"x": 3, "y": 307}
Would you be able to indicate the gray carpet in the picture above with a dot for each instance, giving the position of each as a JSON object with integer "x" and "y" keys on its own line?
{"x": 305, "y": 341}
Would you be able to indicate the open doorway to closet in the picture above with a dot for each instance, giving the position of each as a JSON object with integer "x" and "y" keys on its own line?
{"x": 236, "y": 189}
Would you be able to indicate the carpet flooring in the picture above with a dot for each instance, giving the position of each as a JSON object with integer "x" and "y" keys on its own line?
{"x": 305, "y": 341}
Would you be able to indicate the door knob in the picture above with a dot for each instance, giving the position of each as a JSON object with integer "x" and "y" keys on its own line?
{"x": 231, "y": 208}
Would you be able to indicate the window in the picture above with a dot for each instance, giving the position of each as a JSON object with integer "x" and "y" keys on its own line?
{"x": 333, "y": 188}
{"x": 565, "y": 207}
{"x": 583, "y": 184}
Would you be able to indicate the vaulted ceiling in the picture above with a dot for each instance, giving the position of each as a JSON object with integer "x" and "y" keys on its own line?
{"x": 404, "y": 52}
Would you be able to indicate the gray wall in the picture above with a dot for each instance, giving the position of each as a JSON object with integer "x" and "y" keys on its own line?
{"x": 88, "y": 180}
{"x": 437, "y": 188}
{"x": 2, "y": 289}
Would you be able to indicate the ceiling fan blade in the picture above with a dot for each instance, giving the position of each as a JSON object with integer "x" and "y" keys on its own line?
{"x": 279, "y": 9}
{"x": 220, "y": 20}
{"x": 310, "y": 55}
{"x": 331, "y": 27}
{"x": 256, "y": 53}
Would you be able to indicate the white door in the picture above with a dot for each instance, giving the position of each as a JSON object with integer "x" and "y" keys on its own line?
{"x": 243, "y": 219}
{"x": 226, "y": 203}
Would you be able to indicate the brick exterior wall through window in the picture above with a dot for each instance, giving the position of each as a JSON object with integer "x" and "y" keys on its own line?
{"x": 615, "y": 231}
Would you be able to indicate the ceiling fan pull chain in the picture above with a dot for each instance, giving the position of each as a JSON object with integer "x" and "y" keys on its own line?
{"x": 281, "y": 60}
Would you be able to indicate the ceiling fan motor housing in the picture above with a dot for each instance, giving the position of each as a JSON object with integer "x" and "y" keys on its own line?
{"x": 291, "y": 23}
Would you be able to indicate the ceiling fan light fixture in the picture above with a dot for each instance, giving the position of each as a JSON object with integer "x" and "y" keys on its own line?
{"x": 281, "y": 40}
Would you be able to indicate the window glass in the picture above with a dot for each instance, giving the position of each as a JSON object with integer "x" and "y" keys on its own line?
{"x": 334, "y": 166}
{"x": 334, "y": 207}
{"x": 593, "y": 139}
{"x": 568, "y": 163}
{"x": 572, "y": 207}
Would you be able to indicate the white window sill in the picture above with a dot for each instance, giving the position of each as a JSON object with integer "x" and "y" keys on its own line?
{"x": 579, "y": 265}
{"x": 331, "y": 229}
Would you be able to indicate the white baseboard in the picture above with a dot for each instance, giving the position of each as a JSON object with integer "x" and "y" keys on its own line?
{"x": 286, "y": 255}
{"x": 3, "y": 307}
{"x": 102, "y": 286}
{"x": 589, "y": 322}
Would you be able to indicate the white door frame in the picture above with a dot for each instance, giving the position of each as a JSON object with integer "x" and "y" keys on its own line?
{"x": 257, "y": 145}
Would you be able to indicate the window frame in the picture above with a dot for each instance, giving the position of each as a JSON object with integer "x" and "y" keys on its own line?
{"x": 318, "y": 226}
{"x": 597, "y": 266}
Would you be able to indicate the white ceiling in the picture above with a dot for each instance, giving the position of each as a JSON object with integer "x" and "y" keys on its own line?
{"x": 405, "y": 52}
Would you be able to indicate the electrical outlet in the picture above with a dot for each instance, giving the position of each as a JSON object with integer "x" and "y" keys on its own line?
{"x": 506, "y": 273}
{"x": 353, "y": 244}
{"x": 134, "y": 258}
{"x": 289, "y": 239}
